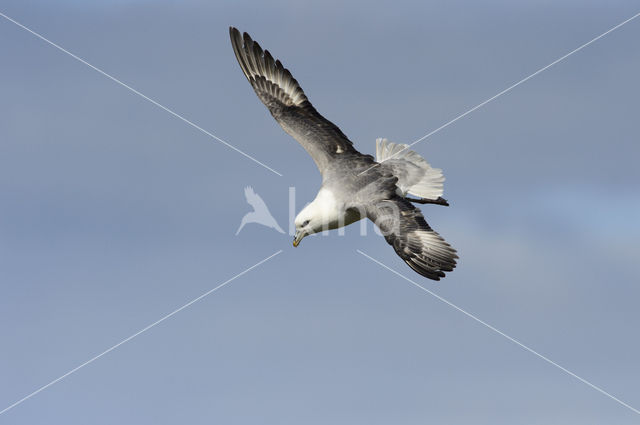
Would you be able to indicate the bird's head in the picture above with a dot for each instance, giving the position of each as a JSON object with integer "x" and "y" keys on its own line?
{"x": 307, "y": 223}
{"x": 320, "y": 215}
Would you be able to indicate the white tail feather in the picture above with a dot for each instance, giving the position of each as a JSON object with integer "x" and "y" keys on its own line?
{"x": 414, "y": 173}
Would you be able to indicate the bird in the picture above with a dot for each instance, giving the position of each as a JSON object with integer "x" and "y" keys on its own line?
{"x": 354, "y": 185}
{"x": 260, "y": 213}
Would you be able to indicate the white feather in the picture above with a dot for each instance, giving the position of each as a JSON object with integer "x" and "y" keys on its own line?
{"x": 415, "y": 175}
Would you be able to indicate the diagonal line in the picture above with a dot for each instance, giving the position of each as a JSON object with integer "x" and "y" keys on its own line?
{"x": 532, "y": 351}
{"x": 112, "y": 78}
{"x": 480, "y": 105}
{"x": 91, "y": 360}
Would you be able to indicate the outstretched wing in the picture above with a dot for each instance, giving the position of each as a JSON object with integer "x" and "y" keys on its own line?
{"x": 286, "y": 101}
{"x": 404, "y": 228}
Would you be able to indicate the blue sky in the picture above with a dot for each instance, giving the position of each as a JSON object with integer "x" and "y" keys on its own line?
{"x": 114, "y": 213}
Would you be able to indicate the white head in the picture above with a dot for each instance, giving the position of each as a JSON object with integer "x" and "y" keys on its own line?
{"x": 321, "y": 214}
{"x": 308, "y": 221}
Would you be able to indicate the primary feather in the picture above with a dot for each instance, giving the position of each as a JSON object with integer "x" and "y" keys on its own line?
{"x": 285, "y": 99}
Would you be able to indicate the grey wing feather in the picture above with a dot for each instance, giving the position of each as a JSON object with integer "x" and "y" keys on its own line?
{"x": 405, "y": 228}
{"x": 283, "y": 96}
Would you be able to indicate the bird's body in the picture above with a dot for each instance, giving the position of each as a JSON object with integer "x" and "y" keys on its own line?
{"x": 354, "y": 185}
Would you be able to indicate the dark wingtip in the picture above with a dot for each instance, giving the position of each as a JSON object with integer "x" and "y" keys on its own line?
{"x": 428, "y": 273}
{"x": 234, "y": 35}
{"x": 247, "y": 38}
{"x": 442, "y": 201}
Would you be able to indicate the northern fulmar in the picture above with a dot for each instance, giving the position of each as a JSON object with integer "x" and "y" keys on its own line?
{"x": 354, "y": 185}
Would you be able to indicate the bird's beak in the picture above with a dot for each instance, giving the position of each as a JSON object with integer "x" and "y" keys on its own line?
{"x": 298, "y": 237}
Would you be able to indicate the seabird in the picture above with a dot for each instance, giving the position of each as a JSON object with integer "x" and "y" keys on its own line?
{"x": 354, "y": 185}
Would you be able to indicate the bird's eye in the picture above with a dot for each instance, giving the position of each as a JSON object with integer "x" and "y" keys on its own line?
{"x": 305, "y": 223}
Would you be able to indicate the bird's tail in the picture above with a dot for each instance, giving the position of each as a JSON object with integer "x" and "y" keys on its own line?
{"x": 414, "y": 173}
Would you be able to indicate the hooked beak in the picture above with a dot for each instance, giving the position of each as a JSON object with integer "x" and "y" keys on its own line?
{"x": 298, "y": 237}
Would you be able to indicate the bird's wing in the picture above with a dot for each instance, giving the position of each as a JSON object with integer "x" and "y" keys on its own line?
{"x": 405, "y": 228}
{"x": 282, "y": 94}
{"x": 254, "y": 199}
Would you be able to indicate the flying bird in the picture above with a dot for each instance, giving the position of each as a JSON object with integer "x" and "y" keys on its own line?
{"x": 354, "y": 185}
{"x": 260, "y": 213}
